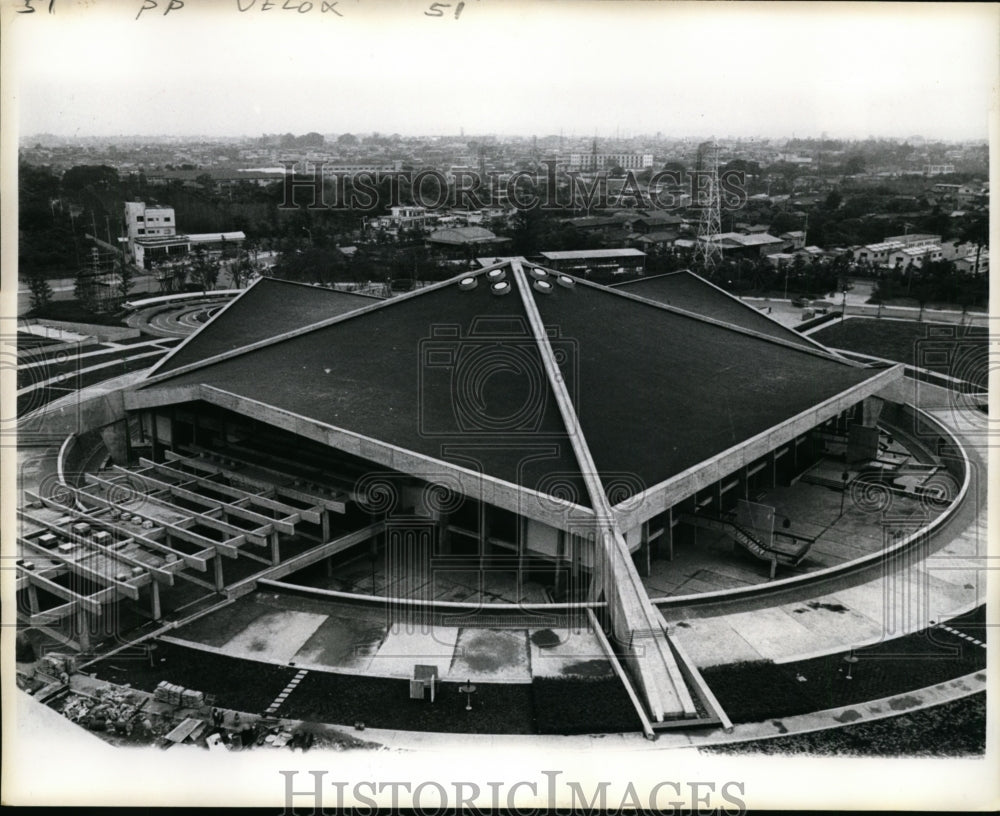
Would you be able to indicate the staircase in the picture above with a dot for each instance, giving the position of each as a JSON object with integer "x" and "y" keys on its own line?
{"x": 786, "y": 554}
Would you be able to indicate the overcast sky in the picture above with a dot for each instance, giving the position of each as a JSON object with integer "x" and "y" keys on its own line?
{"x": 513, "y": 68}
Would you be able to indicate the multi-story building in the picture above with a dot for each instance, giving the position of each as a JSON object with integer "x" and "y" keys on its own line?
{"x": 606, "y": 161}
{"x": 144, "y": 220}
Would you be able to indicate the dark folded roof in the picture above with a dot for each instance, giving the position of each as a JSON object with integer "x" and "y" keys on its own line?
{"x": 456, "y": 375}
{"x": 688, "y": 291}
{"x": 268, "y": 308}
{"x": 449, "y": 374}
{"x": 659, "y": 392}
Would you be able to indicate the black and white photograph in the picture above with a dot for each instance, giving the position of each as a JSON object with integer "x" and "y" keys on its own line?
{"x": 477, "y": 405}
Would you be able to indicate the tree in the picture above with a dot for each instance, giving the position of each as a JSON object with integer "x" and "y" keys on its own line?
{"x": 204, "y": 270}
{"x": 833, "y": 200}
{"x": 241, "y": 269}
{"x": 39, "y": 290}
{"x": 124, "y": 276}
{"x": 977, "y": 232}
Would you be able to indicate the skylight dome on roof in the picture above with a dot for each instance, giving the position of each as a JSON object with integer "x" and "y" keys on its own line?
{"x": 500, "y": 287}
{"x": 467, "y": 283}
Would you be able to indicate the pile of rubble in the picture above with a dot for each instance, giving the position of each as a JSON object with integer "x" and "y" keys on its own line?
{"x": 111, "y": 708}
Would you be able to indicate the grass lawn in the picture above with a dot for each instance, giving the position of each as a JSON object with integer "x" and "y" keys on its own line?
{"x": 591, "y": 706}
{"x": 957, "y": 351}
{"x": 497, "y": 708}
{"x": 752, "y": 692}
{"x": 243, "y": 685}
{"x": 952, "y": 729}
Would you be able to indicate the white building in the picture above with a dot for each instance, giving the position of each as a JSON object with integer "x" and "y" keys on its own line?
{"x": 606, "y": 161}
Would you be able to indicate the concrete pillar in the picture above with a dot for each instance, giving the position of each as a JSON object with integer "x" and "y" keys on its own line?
{"x": 115, "y": 438}
{"x": 561, "y": 564}
{"x": 871, "y": 409}
{"x": 522, "y": 545}
{"x": 154, "y": 594}
{"x": 275, "y": 548}
{"x": 774, "y": 469}
{"x": 444, "y": 537}
{"x": 82, "y": 619}
{"x": 745, "y": 482}
{"x": 329, "y": 566}
{"x": 644, "y": 560}
{"x": 324, "y": 520}
{"x": 597, "y": 569}
{"x": 33, "y": 605}
{"x": 155, "y": 438}
{"x": 484, "y": 532}
{"x": 668, "y": 534}
{"x": 217, "y": 564}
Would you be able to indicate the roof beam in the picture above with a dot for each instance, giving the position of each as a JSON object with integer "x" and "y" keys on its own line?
{"x": 283, "y": 478}
{"x": 236, "y": 536}
{"x": 198, "y": 562}
{"x": 160, "y": 575}
{"x": 291, "y": 515}
{"x": 227, "y": 549}
{"x": 98, "y": 577}
{"x": 265, "y": 524}
{"x": 632, "y": 614}
{"x": 312, "y": 514}
{"x": 88, "y": 603}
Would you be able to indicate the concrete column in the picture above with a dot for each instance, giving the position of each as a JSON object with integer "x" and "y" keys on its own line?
{"x": 154, "y": 594}
{"x": 82, "y": 619}
{"x": 644, "y": 560}
{"x": 115, "y": 438}
{"x": 871, "y": 409}
{"x": 522, "y": 545}
{"x": 33, "y": 605}
{"x": 324, "y": 520}
{"x": 155, "y": 438}
{"x": 484, "y": 534}
{"x": 444, "y": 537}
{"x": 745, "y": 481}
{"x": 329, "y": 566}
{"x": 561, "y": 564}
{"x": 275, "y": 548}
{"x": 668, "y": 534}
{"x": 219, "y": 582}
{"x": 774, "y": 469}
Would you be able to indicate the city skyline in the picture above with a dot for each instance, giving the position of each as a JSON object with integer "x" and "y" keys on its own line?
{"x": 684, "y": 70}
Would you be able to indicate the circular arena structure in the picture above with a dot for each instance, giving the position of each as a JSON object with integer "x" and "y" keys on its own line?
{"x": 323, "y": 508}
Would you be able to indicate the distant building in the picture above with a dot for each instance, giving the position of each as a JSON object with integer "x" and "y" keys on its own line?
{"x": 915, "y": 239}
{"x": 606, "y": 161}
{"x": 404, "y": 217}
{"x": 143, "y": 220}
{"x": 967, "y": 265}
{"x": 757, "y": 245}
{"x": 797, "y": 238}
{"x": 151, "y": 233}
{"x": 938, "y": 169}
{"x": 463, "y": 237}
{"x": 602, "y": 265}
